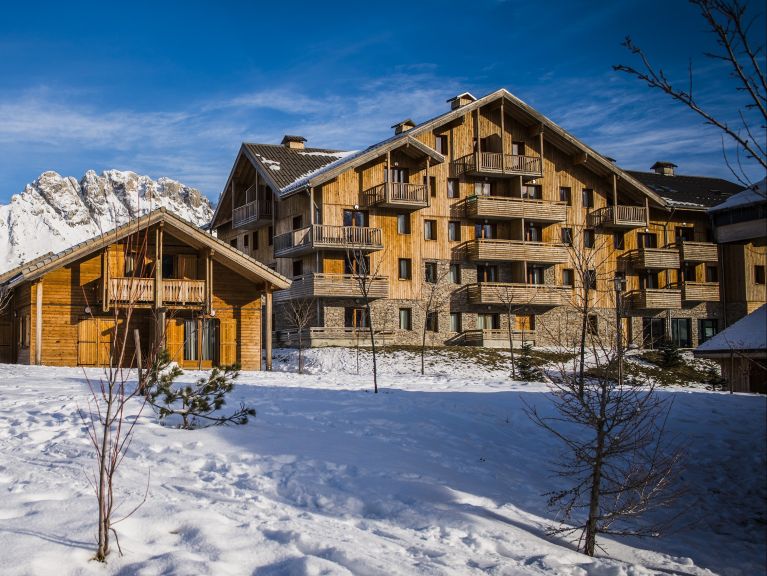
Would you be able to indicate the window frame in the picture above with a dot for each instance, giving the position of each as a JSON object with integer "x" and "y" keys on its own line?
{"x": 430, "y": 230}
{"x": 408, "y": 268}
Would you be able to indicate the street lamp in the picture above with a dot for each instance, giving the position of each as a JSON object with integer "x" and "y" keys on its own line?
{"x": 619, "y": 282}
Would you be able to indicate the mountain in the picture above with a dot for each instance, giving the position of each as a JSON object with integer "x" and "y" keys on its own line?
{"x": 55, "y": 212}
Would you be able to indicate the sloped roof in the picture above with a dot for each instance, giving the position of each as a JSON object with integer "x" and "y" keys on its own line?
{"x": 286, "y": 165}
{"x": 222, "y": 252}
{"x": 749, "y": 334}
{"x": 691, "y": 192}
{"x": 751, "y": 196}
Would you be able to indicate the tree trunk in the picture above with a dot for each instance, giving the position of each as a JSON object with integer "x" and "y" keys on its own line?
{"x": 582, "y": 354}
{"x": 103, "y": 543}
{"x": 511, "y": 349}
{"x": 596, "y": 478}
{"x": 300, "y": 353}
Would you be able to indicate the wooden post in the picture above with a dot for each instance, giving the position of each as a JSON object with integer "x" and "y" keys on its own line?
{"x": 268, "y": 335}
{"x": 478, "y": 152}
{"x": 615, "y": 199}
{"x": 503, "y": 142}
{"x": 105, "y": 293}
{"x": 311, "y": 205}
{"x": 209, "y": 292}
{"x": 540, "y": 146}
{"x": 428, "y": 182}
{"x": 39, "y": 324}
{"x": 387, "y": 176}
{"x": 158, "y": 291}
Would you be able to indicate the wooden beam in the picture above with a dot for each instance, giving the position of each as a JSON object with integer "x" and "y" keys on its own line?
{"x": 158, "y": 234}
{"x": 579, "y": 158}
{"x": 503, "y": 140}
{"x": 311, "y": 205}
{"x": 268, "y": 335}
{"x": 105, "y": 280}
{"x": 39, "y": 323}
{"x": 535, "y": 130}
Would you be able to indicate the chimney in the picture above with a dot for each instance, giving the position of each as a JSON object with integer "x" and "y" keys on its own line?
{"x": 461, "y": 100}
{"x": 294, "y": 142}
{"x": 664, "y": 168}
{"x": 403, "y": 126}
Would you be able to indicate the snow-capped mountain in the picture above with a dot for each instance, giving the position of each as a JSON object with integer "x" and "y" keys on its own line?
{"x": 55, "y": 212}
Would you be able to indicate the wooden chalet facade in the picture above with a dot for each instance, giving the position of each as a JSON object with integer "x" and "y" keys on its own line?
{"x": 494, "y": 199}
{"x": 179, "y": 286}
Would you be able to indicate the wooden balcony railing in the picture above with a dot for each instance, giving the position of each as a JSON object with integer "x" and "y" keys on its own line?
{"x": 657, "y": 258}
{"x": 183, "y": 291}
{"x": 497, "y": 163}
{"x": 656, "y": 299}
{"x": 507, "y": 208}
{"x": 141, "y": 291}
{"x": 333, "y": 286}
{"x": 328, "y": 237}
{"x": 332, "y": 336}
{"x": 252, "y": 214}
{"x": 517, "y": 294}
{"x": 397, "y": 195}
{"x": 698, "y": 251}
{"x": 618, "y": 217}
{"x": 516, "y": 250}
{"x": 495, "y": 338}
{"x": 700, "y": 291}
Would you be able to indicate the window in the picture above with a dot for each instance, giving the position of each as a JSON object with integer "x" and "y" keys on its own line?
{"x": 592, "y": 327}
{"x": 707, "y": 329}
{"x": 190, "y": 339}
{"x": 647, "y": 240}
{"x": 168, "y": 266}
{"x": 454, "y": 231}
{"x": 431, "y": 182}
{"x": 455, "y": 273}
{"x": 535, "y": 275}
{"x": 758, "y": 274}
{"x": 532, "y": 191}
{"x": 485, "y": 231}
{"x": 518, "y": 148}
{"x": 619, "y": 240}
{"x": 590, "y": 279}
{"x": 568, "y": 277}
{"x": 401, "y": 175}
{"x": 712, "y": 274}
{"x": 298, "y": 268}
{"x": 488, "y": 321}
{"x": 210, "y": 338}
{"x": 246, "y": 241}
{"x": 688, "y": 273}
{"x": 566, "y": 195}
{"x": 403, "y": 223}
{"x": 441, "y": 144}
{"x": 355, "y": 218}
{"x": 587, "y": 198}
{"x": 648, "y": 280}
{"x": 588, "y": 238}
{"x": 405, "y": 269}
{"x": 487, "y": 272}
{"x": 357, "y": 264}
{"x": 681, "y": 332}
{"x": 233, "y": 242}
{"x": 533, "y": 232}
{"x": 129, "y": 267}
{"x": 455, "y": 322}
{"x": 684, "y": 234}
{"x": 356, "y": 318}
{"x": 255, "y": 240}
{"x": 298, "y": 222}
{"x": 432, "y": 322}
{"x": 405, "y": 319}
{"x": 453, "y": 189}
{"x": 24, "y": 331}
{"x": 270, "y": 235}
{"x": 430, "y": 272}
{"x": 567, "y": 236}
{"x": 653, "y": 332}
{"x": 430, "y": 229}
{"x": 482, "y": 188}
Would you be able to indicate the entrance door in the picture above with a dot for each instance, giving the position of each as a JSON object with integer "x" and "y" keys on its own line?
{"x": 94, "y": 341}
{"x": 653, "y": 331}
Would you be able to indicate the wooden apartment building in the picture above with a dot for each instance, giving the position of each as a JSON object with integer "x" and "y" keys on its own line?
{"x": 492, "y": 198}
{"x": 186, "y": 290}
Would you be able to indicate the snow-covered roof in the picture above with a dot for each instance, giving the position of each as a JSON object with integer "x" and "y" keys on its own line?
{"x": 749, "y": 334}
{"x": 755, "y": 194}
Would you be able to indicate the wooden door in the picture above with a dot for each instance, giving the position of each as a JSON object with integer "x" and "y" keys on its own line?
{"x": 174, "y": 339}
{"x": 106, "y": 337}
{"x": 87, "y": 342}
{"x": 228, "y": 342}
{"x": 6, "y": 341}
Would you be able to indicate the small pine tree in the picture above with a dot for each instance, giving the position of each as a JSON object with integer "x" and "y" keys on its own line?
{"x": 526, "y": 368}
{"x": 670, "y": 356}
{"x": 714, "y": 380}
{"x": 192, "y": 402}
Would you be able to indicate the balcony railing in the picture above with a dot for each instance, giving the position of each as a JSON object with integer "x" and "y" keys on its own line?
{"x": 332, "y": 336}
{"x": 141, "y": 291}
{"x": 496, "y": 338}
{"x": 327, "y": 237}
{"x": 698, "y": 251}
{"x": 397, "y": 195}
{"x": 618, "y": 217}
{"x": 657, "y": 299}
{"x": 507, "y": 208}
{"x": 333, "y": 286}
{"x": 516, "y": 250}
{"x": 252, "y": 214}
{"x": 700, "y": 291}
{"x": 517, "y": 294}
{"x": 497, "y": 163}
{"x": 657, "y": 258}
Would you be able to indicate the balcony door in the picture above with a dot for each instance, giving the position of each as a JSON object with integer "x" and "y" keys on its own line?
{"x": 653, "y": 331}
{"x": 358, "y": 218}
{"x": 397, "y": 175}
{"x": 534, "y": 233}
{"x": 487, "y": 273}
{"x": 535, "y": 275}
{"x": 684, "y": 234}
{"x": 488, "y": 321}
{"x": 485, "y": 231}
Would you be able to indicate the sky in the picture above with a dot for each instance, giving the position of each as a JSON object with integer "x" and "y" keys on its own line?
{"x": 173, "y": 88}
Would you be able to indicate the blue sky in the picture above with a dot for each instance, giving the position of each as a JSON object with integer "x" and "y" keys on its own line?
{"x": 172, "y": 88}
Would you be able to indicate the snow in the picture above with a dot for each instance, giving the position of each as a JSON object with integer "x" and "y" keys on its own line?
{"x": 752, "y": 195}
{"x": 748, "y": 333}
{"x": 55, "y": 212}
{"x": 673, "y": 202}
{"x": 303, "y": 180}
{"x": 437, "y": 474}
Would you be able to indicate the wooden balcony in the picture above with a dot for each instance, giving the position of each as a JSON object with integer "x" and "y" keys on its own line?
{"x": 327, "y": 237}
{"x": 618, "y": 217}
{"x": 700, "y": 291}
{"x": 497, "y": 164}
{"x": 516, "y": 250}
{"x": 506, "y": 208}
{"x": 397, "y": 195}
{"x": 517, "y": 294}
{"x": 140, "y": 292}
{"x": 657, "y": 299}
{"x": 316, "y": 285}
{"x": 656, "y": 258}
{"x": 496, "y": 338}
{"x": 698, "y": 251}
{"x": 252, "y": 215}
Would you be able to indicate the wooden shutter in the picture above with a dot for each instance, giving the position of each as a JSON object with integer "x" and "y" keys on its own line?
{"x": 106, "y": 337}
{"x": 87, "y": 341}
{"x": 174, "y": 339}
{"x": 228, "y": 342}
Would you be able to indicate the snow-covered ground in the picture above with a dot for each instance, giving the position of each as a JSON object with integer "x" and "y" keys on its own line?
{"x": 441, "y": 474}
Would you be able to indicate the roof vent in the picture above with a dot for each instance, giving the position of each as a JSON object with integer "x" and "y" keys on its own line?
{"x": 295, "y": 142}
{"x": 403, "y": 126}
{"x": 461, "y": 100}
{"x": 664, "y": 168}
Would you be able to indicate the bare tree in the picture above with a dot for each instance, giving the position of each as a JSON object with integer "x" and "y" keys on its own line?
{"x": 618, "y": 462}
{"x": 512, "y": 305}
{"x": 5, "y": 297}
{"x": 299, "y": 314}
{"x": 732, "y": 27}
{"x": 434, "y": 297}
